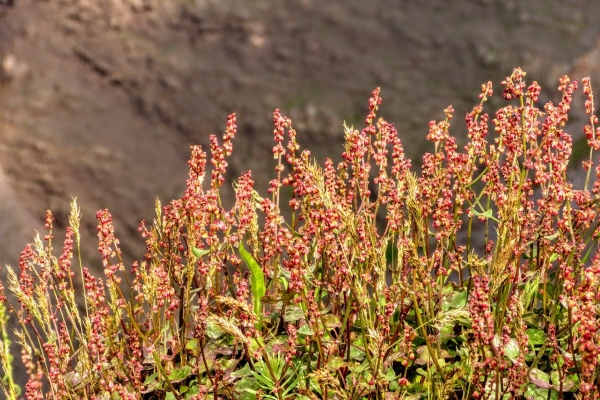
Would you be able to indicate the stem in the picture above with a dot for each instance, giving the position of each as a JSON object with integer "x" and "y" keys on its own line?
{"x": 432, "y": 355}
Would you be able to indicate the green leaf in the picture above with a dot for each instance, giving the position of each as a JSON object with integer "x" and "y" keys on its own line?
{"x": 257, "y": 280}
{"x": 199, "y": 253}
{"x": 244, "y": 371}
{"x": 331, "y": 321}
{"x": 512, "y": 350}
{"x": 530, "y": 289}
{"x": 170, "y": 396}
{"x": 425, "y": 358}
{"x": 285, "y": 277}
{"x": 391, "y": 253}
{"x": 257, "y": 343}
{"x": 567, "y": 384}
{"x": 291, "y": 383}
{"x": 552, "y": 237}
{"x": 192, "y": 391}
{"x": 246, "y": 392}
{"x": 390, "y": 375}
{"x": 486, "y": 215}
{"x": 192, "y": 345}
{"x": 284, "y": 281}
{"x": 293, "y": 314}
{"x": 539, "y": 378}
{"x": 179, "y": 374}
{"x": 536, "y": 336}
{"x": 356, "y": 354}
{"x": 335, "y": 362}
{"x": 213, "y": 331}
{"x": 150, "y": 378}
{"x": 536, "y": 393}
{"x": 459, "y": 300}
{"x": 285, "y": 273}
{"x": 306, "y": 330}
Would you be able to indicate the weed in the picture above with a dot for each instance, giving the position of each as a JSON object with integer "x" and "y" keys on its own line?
{"x": 351, "y": 296}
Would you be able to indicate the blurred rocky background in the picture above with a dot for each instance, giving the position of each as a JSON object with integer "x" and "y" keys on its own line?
{"x": 101, "y": 99}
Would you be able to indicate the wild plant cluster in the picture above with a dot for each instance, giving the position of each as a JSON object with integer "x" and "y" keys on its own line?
{"x": 476, "y": 279}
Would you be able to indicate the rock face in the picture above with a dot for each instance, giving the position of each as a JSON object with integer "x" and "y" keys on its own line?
{"x": 17, "y": 222}
{"x": 101, "y": 99}
{"x": 16, "y": 229}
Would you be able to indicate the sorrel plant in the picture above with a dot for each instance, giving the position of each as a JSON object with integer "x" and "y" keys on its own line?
{"x": 478, "y": 278}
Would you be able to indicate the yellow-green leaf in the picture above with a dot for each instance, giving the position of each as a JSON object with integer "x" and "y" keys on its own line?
{"x": 199, "y": 253}
{"x": 257, "y": 280}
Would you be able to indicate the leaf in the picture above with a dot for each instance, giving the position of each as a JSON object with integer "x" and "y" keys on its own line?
{"x": 257, "y": 343}
{"x": 150, "y": 378}
{"x": 285, "y": 273}
{"x": 567, "y": 384}
{"x": 413, "y": 397}
{"x": 331, "y": 321}
{"x": 246, "y": 389}
{"x": 335, "y": 362}
{"x": 284, "y": 281}
{"x": 390, "y": 375}
{"x": 391, "y": 253}
{"x": 199, "y": 253}
{"x": 293, "y": 314}
{"x": 192, "y": 345}
{"x": 179, "y": 374}
{"x": 539, "y": 378}
{"x": 486, "y": 215}
{"x": 425, "y": 357}
{"x": 356, "y": 353}
{"x": 512, "y": 350}
{"x": 291, "y": 382}
{"x": 213, "y": 331}
{"x": 244, "y": 371}
{"x": 552, "y": 237}
{"x": 192, "y": 391}
{"x": 536, "y": 336}
{"x": 257, "y": 280}
{"x": 285, "y": 277}
{"x": 536, "y": 393}
{"x": 306, "y": 330}
{"x": 459, "y": 300}
{"x": 530, "y": 289}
